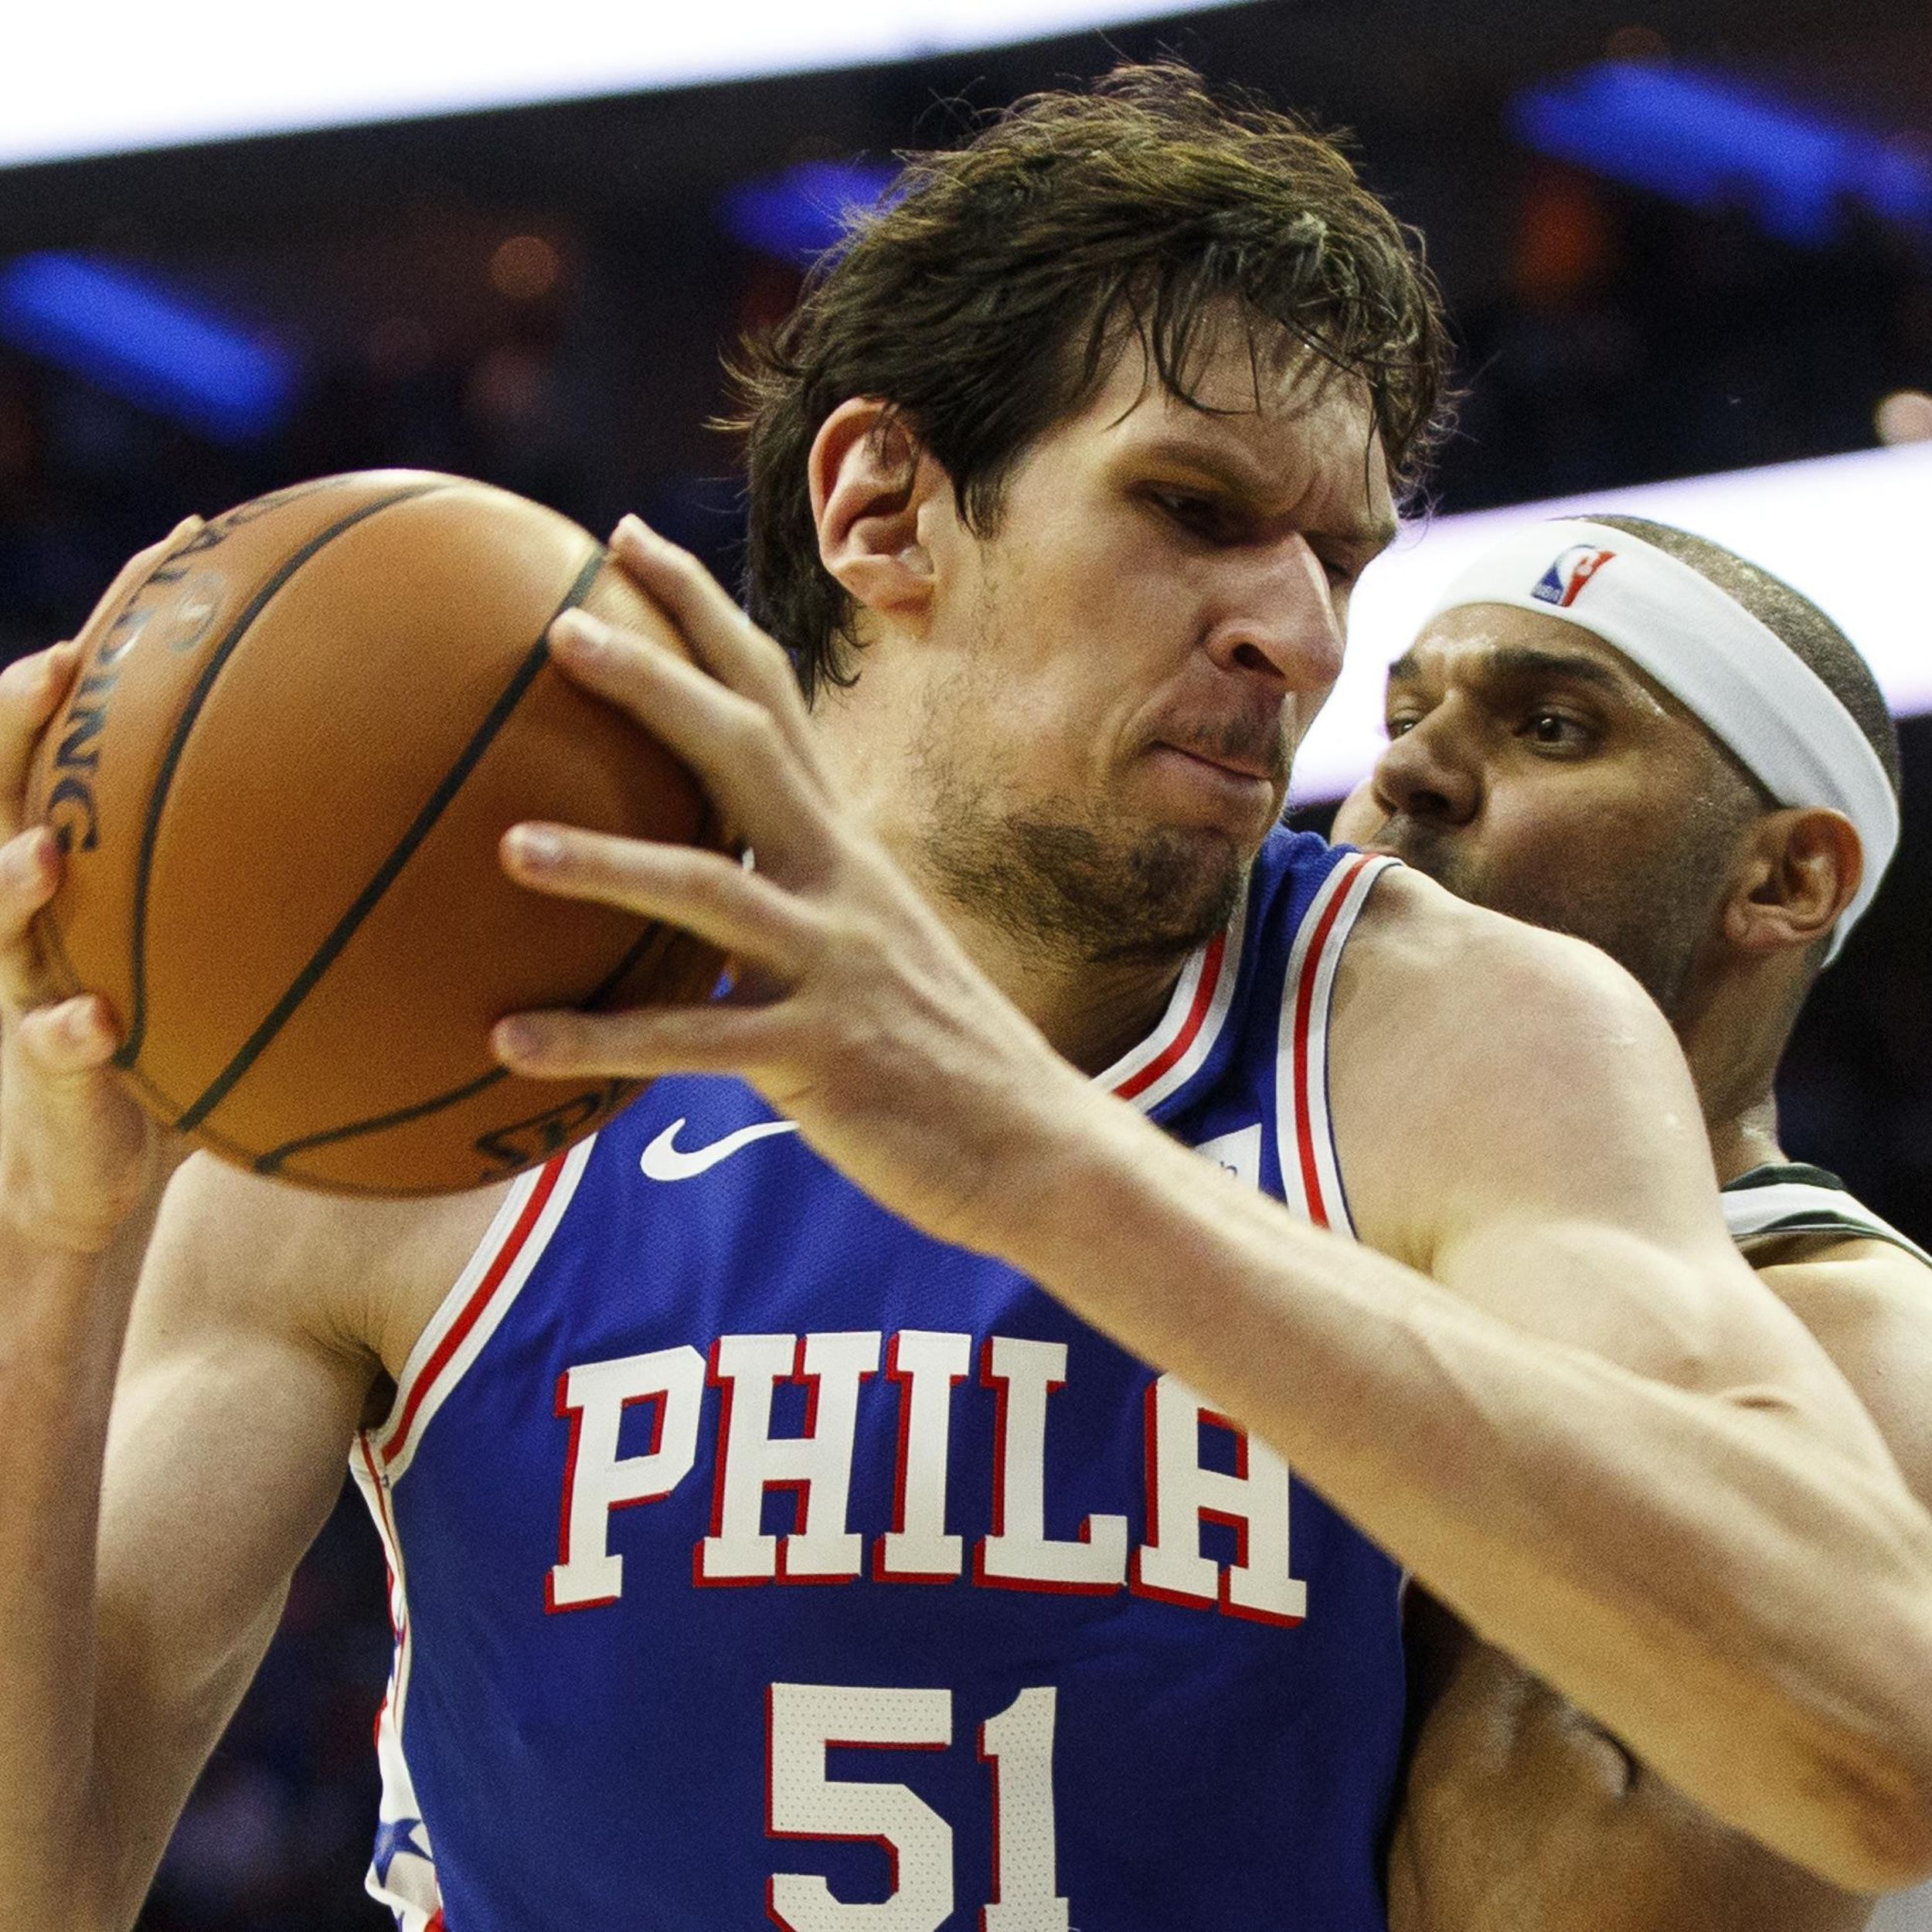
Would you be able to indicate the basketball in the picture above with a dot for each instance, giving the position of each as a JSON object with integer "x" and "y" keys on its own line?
{"x": 279, "y": 781}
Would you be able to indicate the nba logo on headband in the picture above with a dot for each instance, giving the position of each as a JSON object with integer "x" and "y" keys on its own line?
{"x": 1573, "y": 569}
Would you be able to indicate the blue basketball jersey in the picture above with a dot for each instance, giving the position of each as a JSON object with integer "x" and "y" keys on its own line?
{"x": 755, "y": 1559}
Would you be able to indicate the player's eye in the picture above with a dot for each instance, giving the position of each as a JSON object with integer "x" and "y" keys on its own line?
{"x": 1546, "y": 725}
{"x": 1200, "y": 515}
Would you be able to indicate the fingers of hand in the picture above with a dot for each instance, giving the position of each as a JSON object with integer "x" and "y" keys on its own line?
{"x": 742, "y": 755}
{"x": 31, "y": 690}
{"x": 637, "y": 1045}
{"x": 721, "y": 637}
{"x": 704, "y": 893}
{"x": 141, "y": 564}
{"x": 75, "y": 1036}
{"x": 30, "y": 873}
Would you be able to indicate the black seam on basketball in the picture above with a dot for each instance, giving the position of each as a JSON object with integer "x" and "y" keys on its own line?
{"x": 276, "y": 1158}
{"x": 178, "y": 743}
{"x": 244, "y": 1156}
{"x": 273, "y": 1161}
{"x": 304, "y": 982}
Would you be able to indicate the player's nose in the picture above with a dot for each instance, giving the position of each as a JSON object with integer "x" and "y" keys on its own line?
{"x": 1281, "y": 619}
{"x": 1427, "y": 773}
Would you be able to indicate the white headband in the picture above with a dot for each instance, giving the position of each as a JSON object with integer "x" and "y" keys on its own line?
{"x": 1753, "y": 692}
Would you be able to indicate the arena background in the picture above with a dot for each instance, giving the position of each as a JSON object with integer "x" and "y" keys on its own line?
{"x": 1678, "y": 238}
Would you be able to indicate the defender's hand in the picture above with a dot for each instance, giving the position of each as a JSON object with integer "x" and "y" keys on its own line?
{"x": 76, "y": 1153}
{"x": 855, "y": 1012}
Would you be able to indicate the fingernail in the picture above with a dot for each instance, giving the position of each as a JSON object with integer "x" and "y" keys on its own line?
{"x": 635, "y": 528}
{"x": 581, "y": 634}
{"x": 514, "y": 1038}
{"x": 536, "y": 845}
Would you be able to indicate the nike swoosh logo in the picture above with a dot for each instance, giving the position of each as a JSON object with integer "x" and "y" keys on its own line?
{"x": 664, "y": 1160}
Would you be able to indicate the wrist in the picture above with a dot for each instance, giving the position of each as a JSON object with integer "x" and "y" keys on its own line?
{"x": 1054, "y": 1154}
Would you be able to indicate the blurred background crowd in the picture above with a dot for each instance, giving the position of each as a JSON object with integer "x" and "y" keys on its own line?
{"x": 1676, "y": 237}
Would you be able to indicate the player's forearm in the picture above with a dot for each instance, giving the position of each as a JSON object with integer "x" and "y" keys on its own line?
{"x": 1748, "y": 1606}
{"x": 63, "y": 1318}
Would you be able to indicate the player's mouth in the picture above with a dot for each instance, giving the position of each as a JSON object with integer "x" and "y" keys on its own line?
{"x": 1416, "y": 845}
{"x": 1237, "y": 792}
{"x": 1258, "y": 765}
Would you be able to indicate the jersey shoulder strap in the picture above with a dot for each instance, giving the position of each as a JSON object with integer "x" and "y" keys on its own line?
{"x": 1790, "y": 1197}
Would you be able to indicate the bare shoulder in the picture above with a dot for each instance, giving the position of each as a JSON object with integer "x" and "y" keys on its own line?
{"x": 1868, "y": 1303}
{"x": 1458, "y": 1032}
{"x": 1833, "y": 1264}
{"x": 360, "y": 1276}
{"x": 1449, "y": 973}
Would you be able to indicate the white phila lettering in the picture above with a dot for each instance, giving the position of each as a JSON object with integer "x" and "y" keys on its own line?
{"x": 1019, "y": 1555}
{"x": 751, "y": 1460}
{"x": 1181, "y": 1496}
{"x": 1250, "y": 1493}
{"x": 595, "y": 1395}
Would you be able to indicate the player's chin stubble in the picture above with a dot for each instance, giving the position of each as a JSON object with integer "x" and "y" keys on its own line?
{"x": 1067, "y": 890}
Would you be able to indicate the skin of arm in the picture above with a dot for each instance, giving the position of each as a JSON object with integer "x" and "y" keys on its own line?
{"x": 239, "y": 1383}
{"x": 1671, "y": 1506}
{"x": 1521, "y": 1815}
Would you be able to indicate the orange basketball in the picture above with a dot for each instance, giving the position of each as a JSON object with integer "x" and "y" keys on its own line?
{"x": 279, "y": 781}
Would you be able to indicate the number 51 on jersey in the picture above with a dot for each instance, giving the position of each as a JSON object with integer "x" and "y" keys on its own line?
{"x": 805, "y": 1720}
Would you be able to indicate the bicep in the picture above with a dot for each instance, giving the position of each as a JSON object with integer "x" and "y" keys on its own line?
{"x": 1555, "y": 1172}
{"x": 1521, "y": 1815}
{"x": 226, "y": 1452}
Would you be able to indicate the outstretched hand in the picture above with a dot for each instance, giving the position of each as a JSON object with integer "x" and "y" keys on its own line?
{"x": 857, "y": 1012}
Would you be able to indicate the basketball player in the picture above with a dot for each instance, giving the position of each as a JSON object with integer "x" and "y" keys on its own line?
{"x": 1573, "y": 741}
{"x": 781, "y": 1518}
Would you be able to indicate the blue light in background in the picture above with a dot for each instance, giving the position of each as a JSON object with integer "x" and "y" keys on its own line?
{"x": 1698, "y": 138}
{"x": 798, "y": 215}
{"x": 144, "y": 342}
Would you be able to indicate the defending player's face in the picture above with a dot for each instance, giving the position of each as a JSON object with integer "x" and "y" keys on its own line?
{"x": 1116, "y": 677}
{"x": 1532, "y": 769}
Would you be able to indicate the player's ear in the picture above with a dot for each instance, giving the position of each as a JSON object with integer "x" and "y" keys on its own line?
{"x": 1800, "y": 869}
{"x": 869, "y": 482}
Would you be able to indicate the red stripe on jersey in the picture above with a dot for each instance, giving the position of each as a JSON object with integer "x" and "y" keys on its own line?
{"x": 1203, "y": 998}
{"x": 1303, "y": 1010}
{"x": 389, "y": 1544}
{"x": 473, "y": 1308}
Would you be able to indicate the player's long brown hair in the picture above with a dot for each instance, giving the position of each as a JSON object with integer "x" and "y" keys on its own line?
{"x": 988, "y": 296}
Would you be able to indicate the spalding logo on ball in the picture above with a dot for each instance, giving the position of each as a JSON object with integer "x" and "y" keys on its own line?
{"x": 280, "y": 781}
